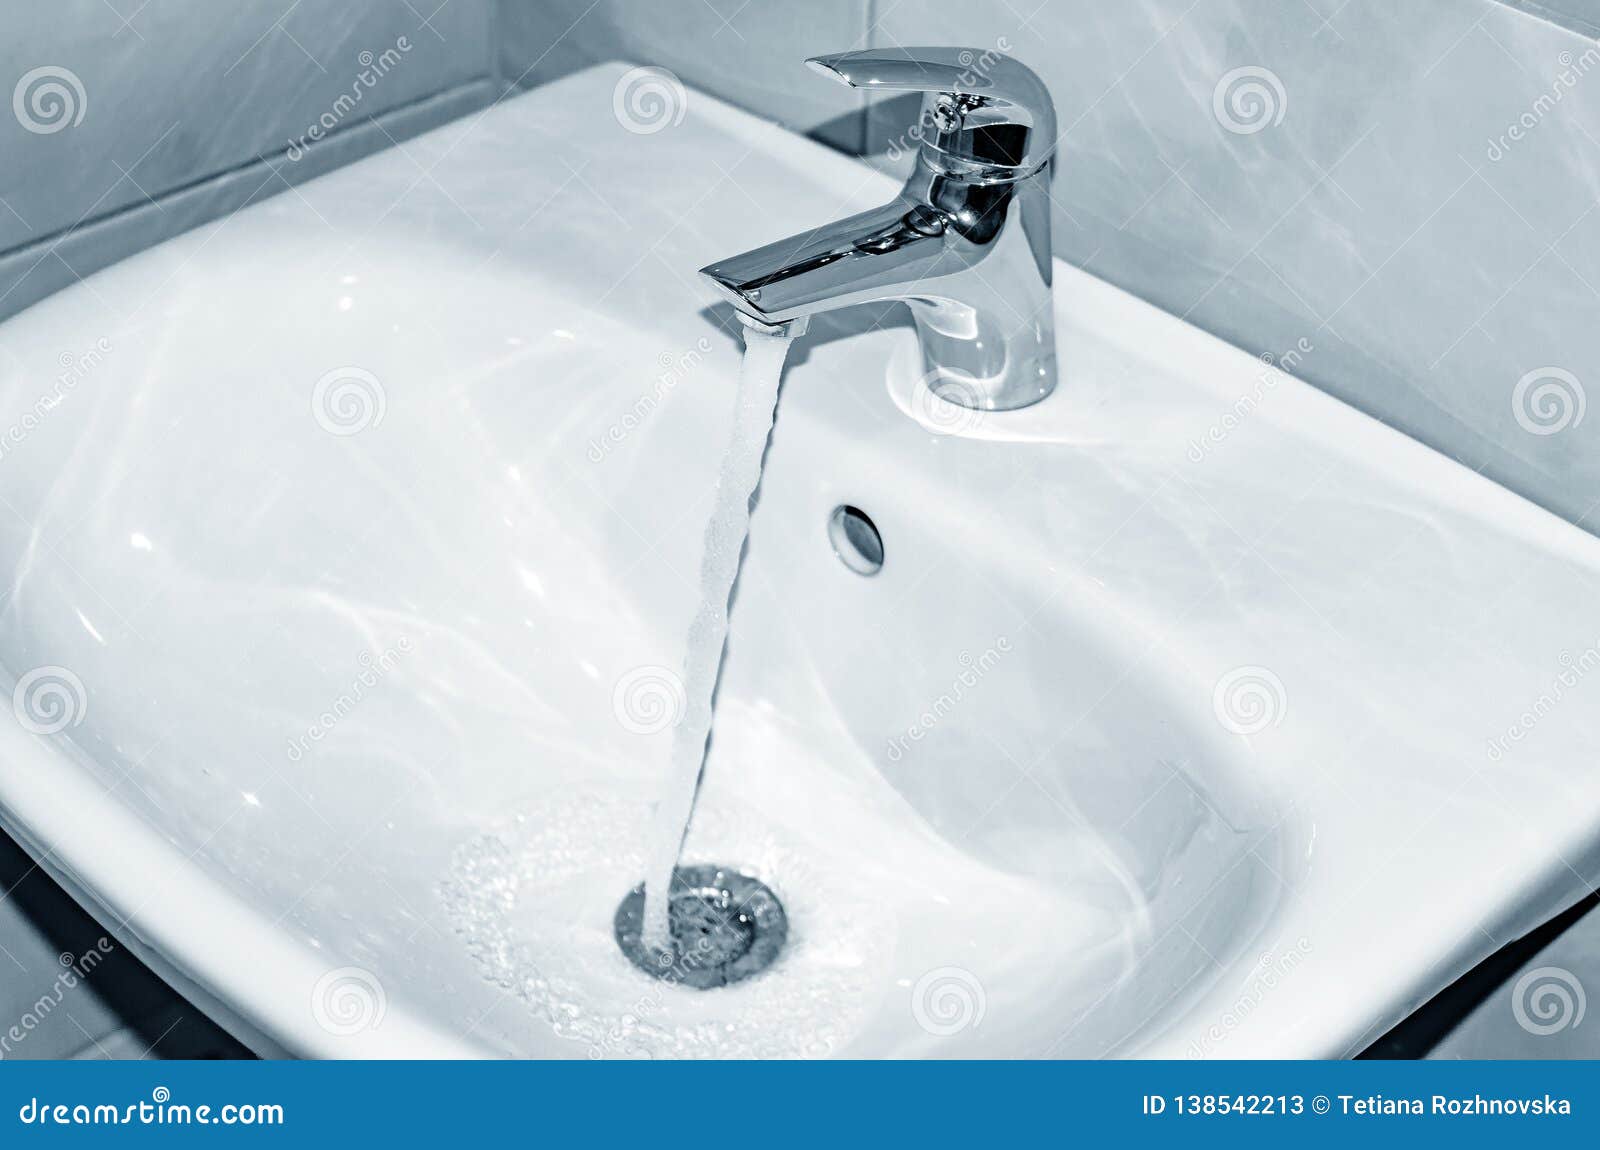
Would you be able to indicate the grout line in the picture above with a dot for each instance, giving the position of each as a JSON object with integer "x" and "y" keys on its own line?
{"x": 1545, "y": 14}
{"x": 219, "y": 176}
{"x": 493, "y": 29}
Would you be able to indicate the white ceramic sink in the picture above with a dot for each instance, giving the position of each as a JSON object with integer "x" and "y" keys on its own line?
{"x": 372, "y": 516}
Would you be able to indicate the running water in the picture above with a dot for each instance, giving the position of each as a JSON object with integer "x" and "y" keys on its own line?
{"x": 719, "y": 571}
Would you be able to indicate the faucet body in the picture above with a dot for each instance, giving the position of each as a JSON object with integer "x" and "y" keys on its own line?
{"x": 966, "y": 243}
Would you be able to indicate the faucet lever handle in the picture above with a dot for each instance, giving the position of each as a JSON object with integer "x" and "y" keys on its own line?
{"x": 970, "y": 96}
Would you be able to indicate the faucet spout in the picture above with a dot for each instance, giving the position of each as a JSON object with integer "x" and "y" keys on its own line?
{"x": 866, "y": 258}
{"x": 966, "y": 244}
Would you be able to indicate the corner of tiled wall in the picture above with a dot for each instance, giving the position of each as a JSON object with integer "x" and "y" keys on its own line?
{"x": 1408, "y": 191}
{"x": 131, "y": 129}
{"x": 753, "y": 55}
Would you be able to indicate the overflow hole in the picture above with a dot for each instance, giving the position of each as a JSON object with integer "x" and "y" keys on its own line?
{"x": 855, "y": 540}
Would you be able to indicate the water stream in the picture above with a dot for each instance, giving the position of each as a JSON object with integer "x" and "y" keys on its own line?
{"x": 719, "y": 572}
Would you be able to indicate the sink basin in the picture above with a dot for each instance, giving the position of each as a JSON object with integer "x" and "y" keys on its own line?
{"x": 349, "y": 574}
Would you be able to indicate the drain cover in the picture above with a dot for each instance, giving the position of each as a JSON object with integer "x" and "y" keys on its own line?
{"x": 726, "y": 926}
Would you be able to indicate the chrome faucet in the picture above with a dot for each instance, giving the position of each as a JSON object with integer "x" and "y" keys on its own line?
{"x": 966, "y": 243}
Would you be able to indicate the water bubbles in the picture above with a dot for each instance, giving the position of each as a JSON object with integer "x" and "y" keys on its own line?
{"x": 532, "y": 899}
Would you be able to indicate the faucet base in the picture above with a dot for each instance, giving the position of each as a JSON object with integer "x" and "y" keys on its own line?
{"x": 979, "y": 367}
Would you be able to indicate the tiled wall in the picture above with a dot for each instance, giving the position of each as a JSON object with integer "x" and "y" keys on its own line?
{"x": 751, "y": 54}
{"x": 1579, "y": 15}
{"x": 129, "y": 122}
{"x": 1365, "y": 194}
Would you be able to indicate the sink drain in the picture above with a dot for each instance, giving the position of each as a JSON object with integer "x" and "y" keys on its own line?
{"x": 726, "y": 926}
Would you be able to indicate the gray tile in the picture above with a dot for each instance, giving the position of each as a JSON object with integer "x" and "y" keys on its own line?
{"x": 1579, "y": 15}
{"x": 1358, "y": 186}
{"x": 68, "y": 989}
{"x": 750, "y": 52}
{"x": 184, "y": 89}
{"x": 1542, "y": 1010}
{"x": 30, "y": 273}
